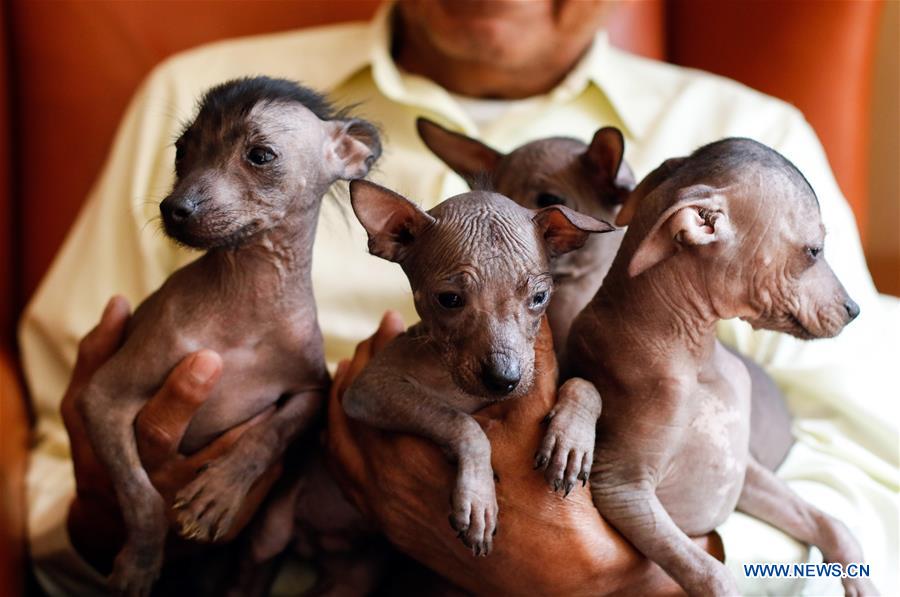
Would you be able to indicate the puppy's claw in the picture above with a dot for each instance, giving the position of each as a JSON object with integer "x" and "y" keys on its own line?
{"x": 569, "y": 487}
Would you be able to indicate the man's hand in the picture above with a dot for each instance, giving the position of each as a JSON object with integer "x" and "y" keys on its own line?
{"x": 546, "y": 543}
{"x": 94, "y": 523}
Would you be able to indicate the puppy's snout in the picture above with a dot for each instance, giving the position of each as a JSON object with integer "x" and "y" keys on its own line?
{"x": 500, "y": 373}
{"x": 179, "y": 209}
{"x": 852, "y": 308}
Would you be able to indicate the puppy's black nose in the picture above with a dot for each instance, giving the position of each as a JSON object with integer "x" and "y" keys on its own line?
{"x": 500, "y": 374}
{"x": 178, "y": 209}
{"x": 852, "y": 308}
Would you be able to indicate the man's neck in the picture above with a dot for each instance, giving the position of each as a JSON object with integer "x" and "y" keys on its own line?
{"x": 415, "y": 54}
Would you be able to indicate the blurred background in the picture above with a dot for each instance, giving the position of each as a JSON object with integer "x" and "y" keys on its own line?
{"x": 68, "y": 68}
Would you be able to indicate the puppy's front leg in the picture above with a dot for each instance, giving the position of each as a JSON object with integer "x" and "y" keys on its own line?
{"x": 567, "y": 452}
{"x": 207, "y": 506}
{"x": 404, "y": 407}
{"x": 637, "y": 513}
{"x": 766, "y": 497}
{"x": 110, "y": 414}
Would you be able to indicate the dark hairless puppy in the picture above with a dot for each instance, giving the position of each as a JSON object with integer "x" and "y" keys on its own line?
{"x": 251, "y": 171}
{"x": 479, "y": 267}
{"x": 734, "y": 230}
{"x": 593, "y": 179}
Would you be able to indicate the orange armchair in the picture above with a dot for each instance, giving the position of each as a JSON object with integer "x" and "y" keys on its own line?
{"x": 62, "y": 99}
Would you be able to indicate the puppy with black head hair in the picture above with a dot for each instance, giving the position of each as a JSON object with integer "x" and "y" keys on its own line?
{"x": 251, "y": 171}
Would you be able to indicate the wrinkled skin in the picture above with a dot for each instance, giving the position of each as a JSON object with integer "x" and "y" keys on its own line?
{"x": 251, "y": 171}
{"x": 734, "y": 230}
{"x": 593, "y": 179}
{"x": 545, "y": 545}
{"x": 478, "y": 267}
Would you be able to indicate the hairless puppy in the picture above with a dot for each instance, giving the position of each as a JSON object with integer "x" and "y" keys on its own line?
{"x": 251, "y": 171}
{"x": 593, "y": 179}
{"x": 733, "y": 230}
{"x": 479, "y": 266}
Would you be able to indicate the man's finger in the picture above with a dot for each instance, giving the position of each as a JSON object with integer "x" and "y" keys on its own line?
{"x": 162, "y": 422}
{"x": 340, "y": 382}
{"x": 390, "y": 327}
{"x": 103, "y": 340}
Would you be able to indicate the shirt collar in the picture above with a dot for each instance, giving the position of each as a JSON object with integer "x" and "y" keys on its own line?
{"x": 605, "y": 67}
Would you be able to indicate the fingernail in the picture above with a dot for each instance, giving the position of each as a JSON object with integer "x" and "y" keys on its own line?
{"x": 203, "y": 367}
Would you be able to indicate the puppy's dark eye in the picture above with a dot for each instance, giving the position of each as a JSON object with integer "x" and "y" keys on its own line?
{"x": 450, "y": 300}
{"x": 548, "y": 199}
{"x": 179, "y": 152}
{"x": 538, "y": 298}
{"x": 814, "y": 252}
{"x": 260, "y": 155}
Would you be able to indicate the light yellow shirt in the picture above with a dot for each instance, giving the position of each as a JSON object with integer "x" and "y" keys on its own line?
{"x": 843, "y": 391}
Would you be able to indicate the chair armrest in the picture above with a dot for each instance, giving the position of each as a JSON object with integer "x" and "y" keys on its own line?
{"x": 15, "y": 429}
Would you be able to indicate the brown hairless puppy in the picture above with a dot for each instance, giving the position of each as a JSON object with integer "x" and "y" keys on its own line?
{"x": 546, "y": 545}
{"x": 251, "y": 171}
{"x": 734, "y": 230}
{"x": 478, "y": 265}
{"x": 593, "y": 179}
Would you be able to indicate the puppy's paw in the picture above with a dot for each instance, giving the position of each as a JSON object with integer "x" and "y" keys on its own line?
{"x": 136, "y": 569}
{"x": 474, "y": 512}
{"x": 567, "y": 451}
{"x": 206, "y": 508}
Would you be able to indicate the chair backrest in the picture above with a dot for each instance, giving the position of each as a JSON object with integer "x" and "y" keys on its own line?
{"x": 7, "y": 213}
{"x": 818, "y": 56}
{"x": 76, "y": 63}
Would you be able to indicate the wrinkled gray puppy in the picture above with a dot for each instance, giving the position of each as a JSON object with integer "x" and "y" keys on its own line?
{"x": 251, "y": 170}
{"x": 479, "y": 268}
{"x": 593, "y": 179}
{"x": 734, "y": 230}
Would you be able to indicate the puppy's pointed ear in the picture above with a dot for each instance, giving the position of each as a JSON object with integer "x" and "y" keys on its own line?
{"x": 605, "y": 152}
{"x": 470, "y": 158}
{"x": 352, "y": 147}
{"x": 646, "y": 186}
{"x": 565, "y": 230}
{"x": 696, "y": 219}
{"x": 392, "y": 222}
{"x": 604, "y": 160}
